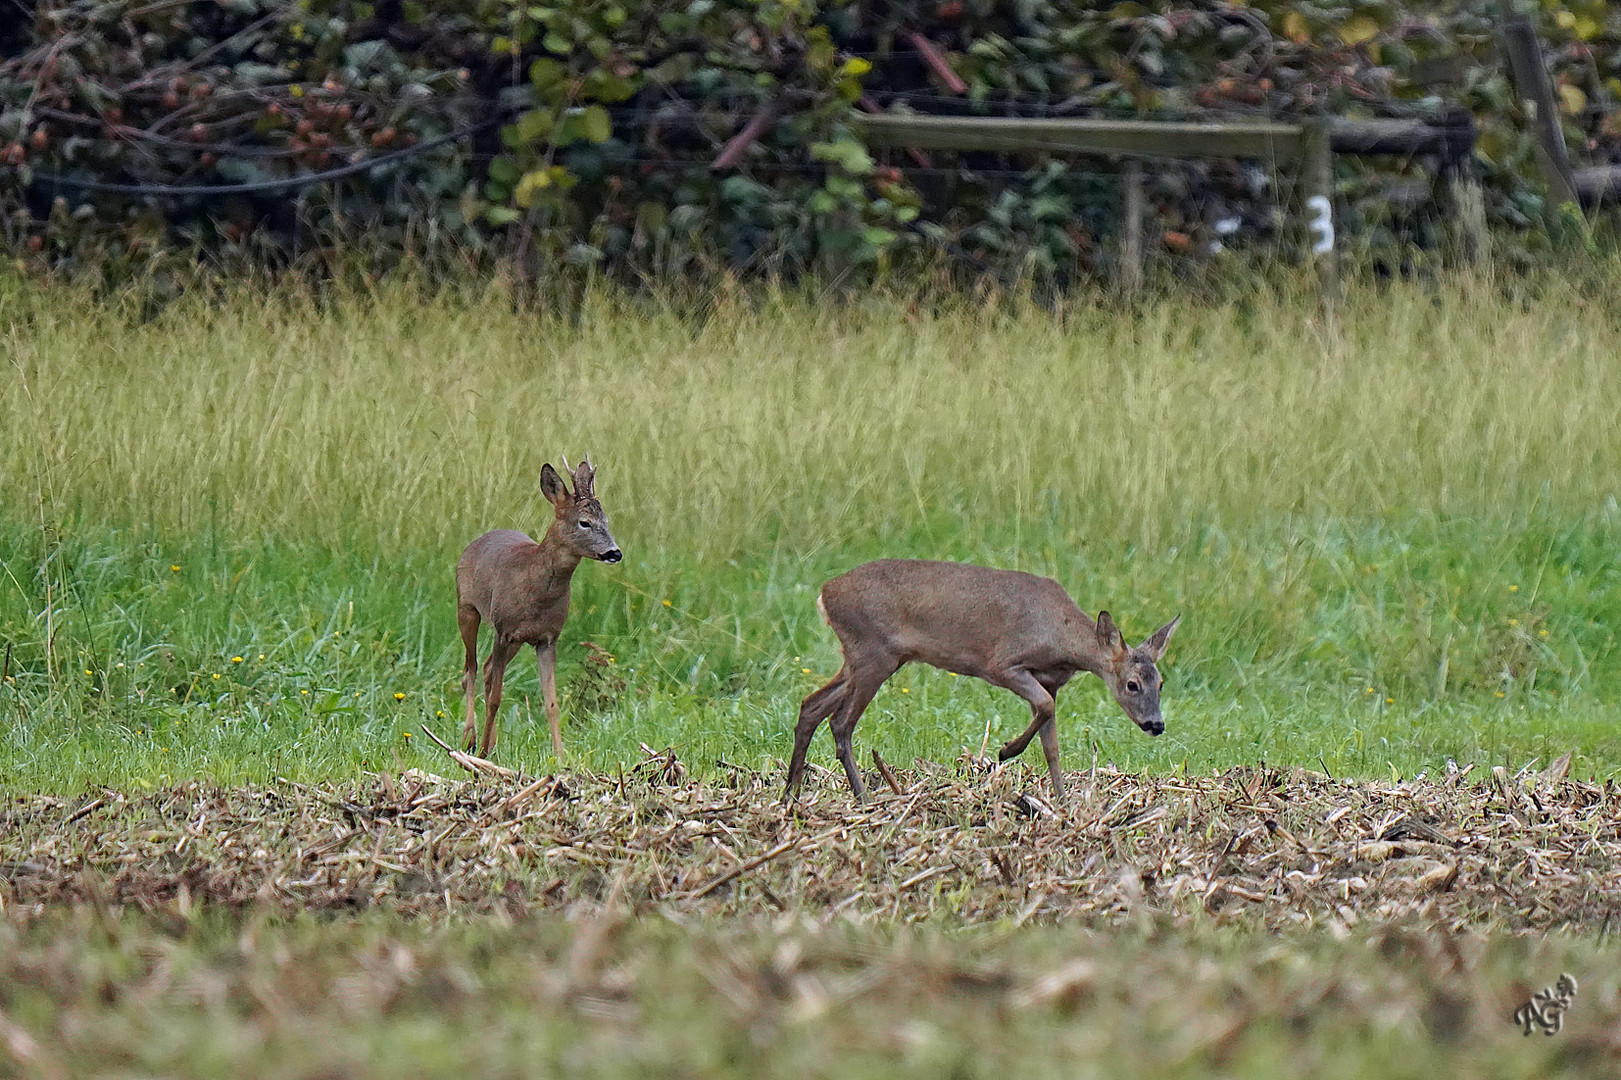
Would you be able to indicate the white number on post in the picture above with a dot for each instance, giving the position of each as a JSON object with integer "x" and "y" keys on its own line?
{"x": 1322, "y": 224}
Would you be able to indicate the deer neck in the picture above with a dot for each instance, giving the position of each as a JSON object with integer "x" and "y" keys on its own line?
{"x": 554, "y": 558}
{"x": 1091, "y": 661}
{"x": 1084, "y": 648}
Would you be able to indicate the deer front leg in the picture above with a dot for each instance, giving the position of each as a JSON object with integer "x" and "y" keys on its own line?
{"x": 546, "y": 665}
{"x": 1043, "y": 721}
{"x": 1042, "y": 710}
{"x": 1049, "y": 747}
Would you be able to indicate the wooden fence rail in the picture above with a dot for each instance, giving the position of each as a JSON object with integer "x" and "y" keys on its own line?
{"x": 1262, "y": 140}
{"x": 1308, "y": 147}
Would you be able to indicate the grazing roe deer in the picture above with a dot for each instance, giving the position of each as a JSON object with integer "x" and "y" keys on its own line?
{"x": 1010, "y": 629}
{"x": 521, "y": 588}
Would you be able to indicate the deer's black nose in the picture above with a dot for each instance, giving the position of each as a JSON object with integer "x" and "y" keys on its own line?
{"x": 1155, "y": 727}
{"x": 612, "y": 556}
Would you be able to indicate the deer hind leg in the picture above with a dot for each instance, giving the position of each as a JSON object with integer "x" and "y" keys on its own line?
{"x": 858, "y": 694}
{"x": 816, "y": 707}
{"x": 467, "y": 619}
{"x": 495, "y": 670}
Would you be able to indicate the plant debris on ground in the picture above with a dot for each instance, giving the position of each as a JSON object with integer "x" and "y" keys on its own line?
{"x": 231, "y": 994}
{"x": 1279, "y": 848}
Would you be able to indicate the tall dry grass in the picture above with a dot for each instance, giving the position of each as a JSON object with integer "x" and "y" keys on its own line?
{"x": 404, "y": 418}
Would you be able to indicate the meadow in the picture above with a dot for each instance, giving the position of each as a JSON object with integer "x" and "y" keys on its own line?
{"x": 227, "y": 528}
{"x": 227, "y": 531}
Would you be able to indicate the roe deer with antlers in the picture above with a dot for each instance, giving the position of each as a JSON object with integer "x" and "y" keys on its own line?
{"x": 1010, "y": 629}
{"x": 521, "y": 588}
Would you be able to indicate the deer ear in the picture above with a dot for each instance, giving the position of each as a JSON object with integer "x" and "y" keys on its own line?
{"x": 1109, "y": 635}
{"x": 1157, "y": 640}
{"x": 585, "y": 479}
{"x": 551, "y": 485}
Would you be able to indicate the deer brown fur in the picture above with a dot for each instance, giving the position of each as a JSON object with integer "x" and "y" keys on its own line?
{"x": 521, "y": 589}
{"x": 1011, "y": 629}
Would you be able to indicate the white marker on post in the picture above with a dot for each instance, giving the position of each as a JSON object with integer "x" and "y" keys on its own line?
{"x": 1322, "y": 224}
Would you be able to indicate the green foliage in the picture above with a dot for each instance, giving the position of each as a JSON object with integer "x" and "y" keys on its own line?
{"x": 611, "y": 113}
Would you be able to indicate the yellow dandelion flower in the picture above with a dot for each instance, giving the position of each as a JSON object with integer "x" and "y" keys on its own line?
{"x": 216, "y": 674}
{"x": 236, "y": 659}
{"x": 668, "y": 604}
{"x": 87, "y": 671}
{"x": 1513, "y": 588}
{"x": 1369, "y": 690}
{"x": 303, "y": 691}
{"x": 906, "y": 689}
{"x": 1542, "y": 633}
{"x": 1499, "y": 693}
{"x": 1514, "y": 622}
{"x": 357, "y": 693}
{"x": 261, "y": 656}
{"x": 407, "y": 734}
{"x": 174, "y": 568}
{"x": 440, "y": 714}
{"x": 1390, "y": 701}
{"x": 399, "y": 697}
{"x": 802, "y": 671}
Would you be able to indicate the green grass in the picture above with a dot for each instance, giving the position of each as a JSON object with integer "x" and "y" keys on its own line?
{"x": 1392, "y": 534}
{"x": 219, "y": 994}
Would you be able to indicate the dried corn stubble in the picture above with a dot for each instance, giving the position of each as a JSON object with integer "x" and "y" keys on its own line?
{"x": 1260, "y": 845}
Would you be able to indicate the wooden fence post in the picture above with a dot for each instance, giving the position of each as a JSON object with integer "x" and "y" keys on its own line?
{"x": 1317, "y": 161}
{"x": 1464, "y": 204}
{"x": 1531, "y": 84}
{"x": 1131, "y": 233}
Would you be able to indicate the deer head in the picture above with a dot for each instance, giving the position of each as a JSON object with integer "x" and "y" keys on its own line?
{"x": 1132, "y": 674}
{"x": 579, "y": 525}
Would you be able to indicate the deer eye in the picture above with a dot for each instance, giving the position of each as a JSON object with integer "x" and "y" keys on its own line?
{"x": 584, "y": 524}
{"x": 1133, "y": 686}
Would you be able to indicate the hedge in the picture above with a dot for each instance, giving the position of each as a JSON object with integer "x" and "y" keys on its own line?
{"x": 586, "y": 132}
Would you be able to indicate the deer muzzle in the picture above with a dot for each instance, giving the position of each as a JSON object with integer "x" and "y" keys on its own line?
{"x": 611, "y": 556}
